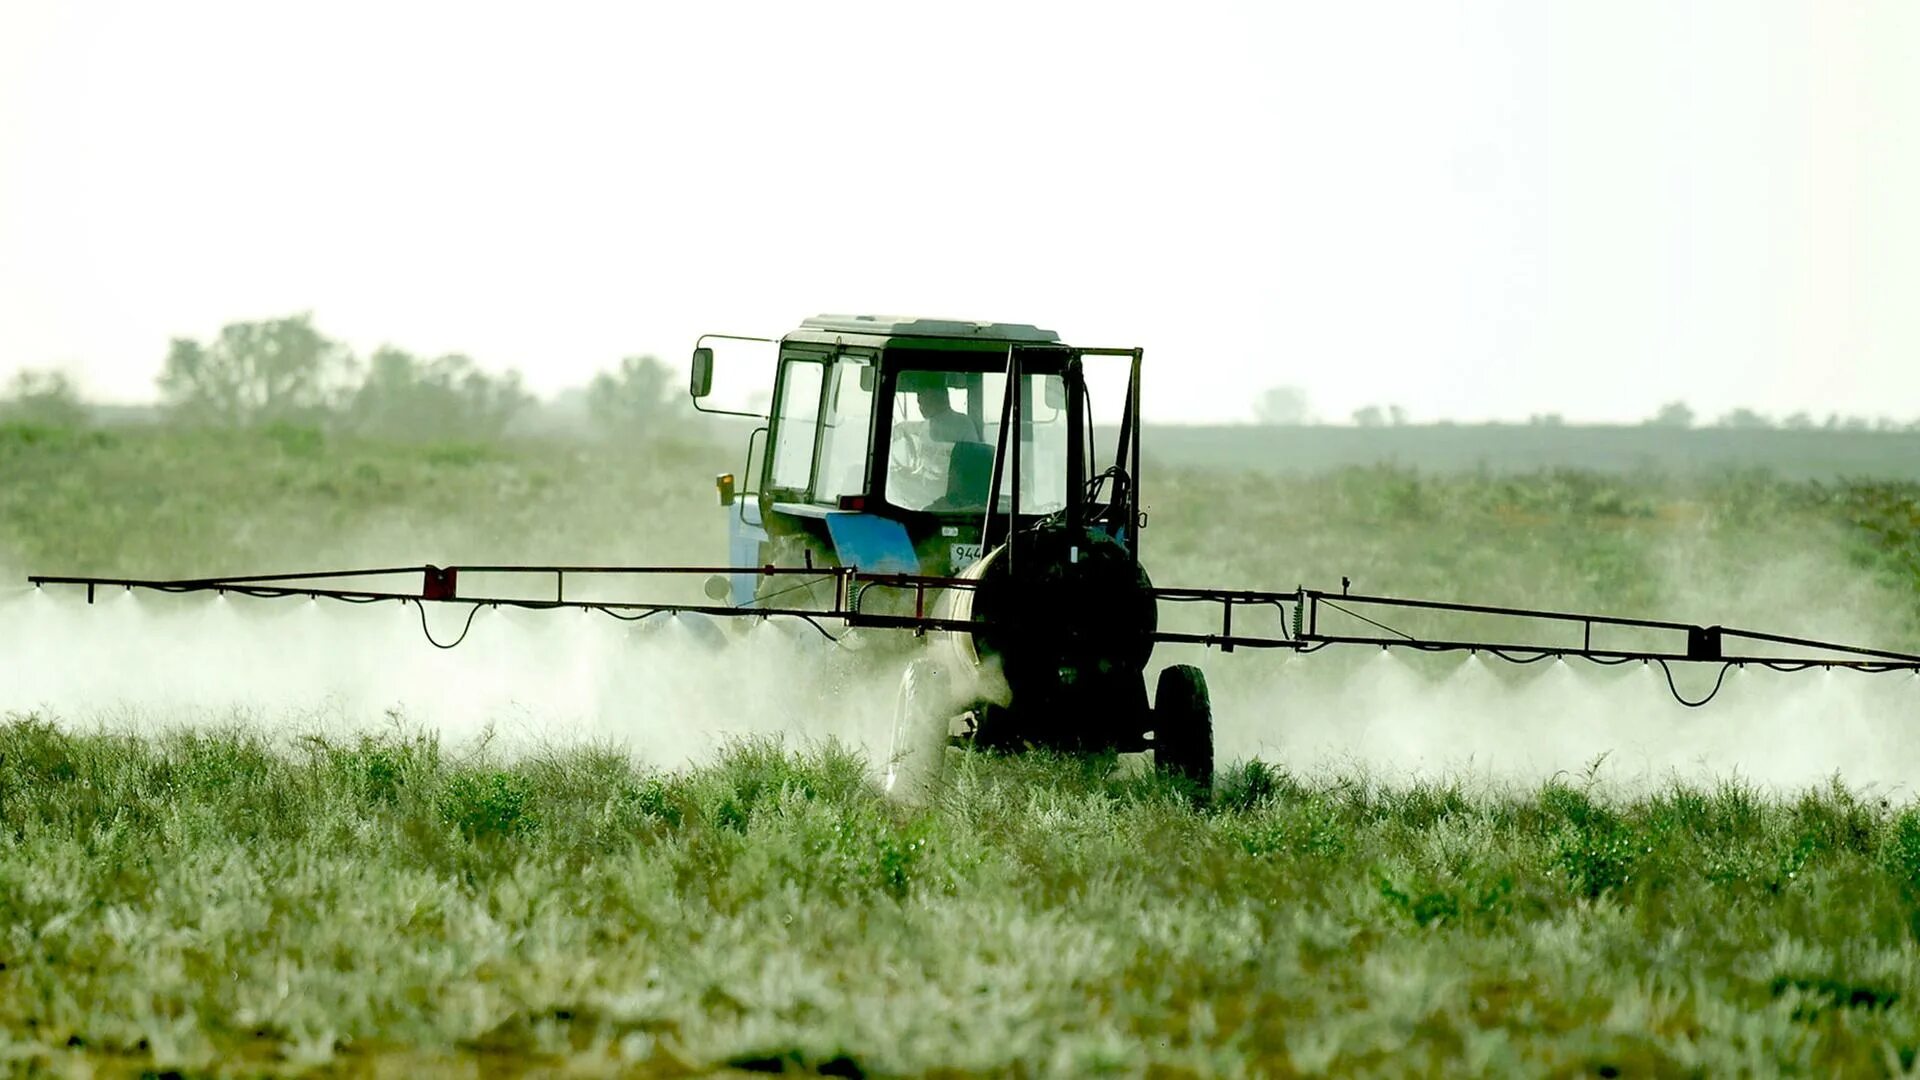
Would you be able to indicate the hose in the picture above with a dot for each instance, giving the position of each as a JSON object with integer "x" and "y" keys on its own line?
{"x": 1711, "y": 694}
{"x": 424, "y": 629}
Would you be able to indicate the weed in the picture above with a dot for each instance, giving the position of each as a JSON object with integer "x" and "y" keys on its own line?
{"x": 1900, "y": 852}
{"x": 489, "y": 805}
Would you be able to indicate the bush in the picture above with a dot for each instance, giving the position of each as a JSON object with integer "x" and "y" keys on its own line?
{"x": 45, "y": 399}
{"x": 1900, "y": 852}
{"x": 489, "y": 805}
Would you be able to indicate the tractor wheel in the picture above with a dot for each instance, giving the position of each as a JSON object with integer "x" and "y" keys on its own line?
{"x": 920, "y": 719}
{"x": 1183, "y": 726}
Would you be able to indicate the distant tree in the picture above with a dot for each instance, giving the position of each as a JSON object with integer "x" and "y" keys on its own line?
{"x": 1552, "y": 419}
{"x": 254, "y": 372}
{"x": 1674, "y": 414}
{"x": 1800, "y": 421}
{"x": 1744, "y": 419}
{"x": 447, "y": 398}
{"x": 636, "y": 400}
{"x": 1855, "y": 423}
{"x": 1282, "y": 405}
{"x": 1369, "y": 417}
{"x": 1396, "y": 416}
{"x": 43, "y": 397}
{"x": 1886, "y": 423}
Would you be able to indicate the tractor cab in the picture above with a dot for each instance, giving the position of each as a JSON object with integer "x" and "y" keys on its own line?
{"x": 910, "y": 445}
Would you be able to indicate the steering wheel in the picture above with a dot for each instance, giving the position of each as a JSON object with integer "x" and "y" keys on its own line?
{"x": 913, "y": 453}
{"x": 916, "y": 471}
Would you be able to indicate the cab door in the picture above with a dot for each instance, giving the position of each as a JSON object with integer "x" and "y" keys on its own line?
{"x": 844, "y": 464}
{"x": 820, "y": 449}
{"x": 792, "y": 441}
{"x": 820, "y": 463}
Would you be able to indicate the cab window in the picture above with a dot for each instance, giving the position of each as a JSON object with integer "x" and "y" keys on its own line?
{"x": 796, "y": 424}
{"x": 945, "y": 427}
{"x": 848, "y": 423}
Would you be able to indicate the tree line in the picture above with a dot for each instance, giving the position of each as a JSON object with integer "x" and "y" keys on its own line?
{"x": 285, "y": 371}
{"x": 281, "y": 371}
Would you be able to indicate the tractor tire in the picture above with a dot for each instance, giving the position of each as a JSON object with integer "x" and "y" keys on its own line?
{"x": 1183, "y": 726}
{"x": 922, "y": 711}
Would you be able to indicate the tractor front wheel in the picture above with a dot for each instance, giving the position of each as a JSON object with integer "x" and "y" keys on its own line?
{"x": 920, "y": 721}
{"x": 1183, "y": 726}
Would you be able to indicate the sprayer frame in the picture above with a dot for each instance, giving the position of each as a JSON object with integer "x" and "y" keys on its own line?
{"x": 1301, "y": 609}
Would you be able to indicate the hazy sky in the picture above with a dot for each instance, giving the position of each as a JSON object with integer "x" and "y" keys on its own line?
{"x": 1470, "y": 209}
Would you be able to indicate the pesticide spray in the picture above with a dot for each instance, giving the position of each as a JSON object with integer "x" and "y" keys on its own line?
{"x": 669, "y": 689}
{"x": 1400, "y": 716}
{"x": 673, "y": 688}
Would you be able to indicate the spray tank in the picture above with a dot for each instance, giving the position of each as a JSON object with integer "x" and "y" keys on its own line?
{"x": 1059, "y": 618}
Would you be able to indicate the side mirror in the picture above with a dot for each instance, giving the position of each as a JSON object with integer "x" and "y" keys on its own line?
{"x": 701, "y": 384}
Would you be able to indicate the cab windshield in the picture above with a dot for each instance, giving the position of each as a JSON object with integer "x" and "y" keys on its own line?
{"x": 946, "y": 425}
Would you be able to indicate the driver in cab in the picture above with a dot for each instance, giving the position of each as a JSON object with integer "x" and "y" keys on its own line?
{"x": 944, "y": 423}
{"x": 936, "y": 459}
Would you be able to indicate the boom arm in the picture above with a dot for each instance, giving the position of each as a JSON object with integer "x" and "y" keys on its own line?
{"x": 1313, "y": 620}
{"x": 547, "y": 589}
{"x": 1309, "y": 619}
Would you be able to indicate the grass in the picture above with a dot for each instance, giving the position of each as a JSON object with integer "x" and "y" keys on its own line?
{"x": 1645, "y": 543}
{"x": 210, "y": 901}
{"x": 221, "y": 901}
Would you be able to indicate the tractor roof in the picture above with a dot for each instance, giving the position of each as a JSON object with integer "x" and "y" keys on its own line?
{"x": 913, "y": 326}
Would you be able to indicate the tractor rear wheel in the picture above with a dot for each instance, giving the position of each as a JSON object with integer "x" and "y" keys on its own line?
{"x": 1183, "y": 726}
{"x": 920, "y": 720}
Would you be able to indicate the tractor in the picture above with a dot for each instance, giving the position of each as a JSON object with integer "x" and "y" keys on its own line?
{"x": 969, "y": 455}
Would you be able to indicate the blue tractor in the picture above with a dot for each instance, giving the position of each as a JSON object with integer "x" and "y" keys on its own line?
{"x": 974, "y": 460}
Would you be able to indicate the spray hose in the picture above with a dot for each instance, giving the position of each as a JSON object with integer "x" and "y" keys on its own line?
{"x": 467, "y": 627}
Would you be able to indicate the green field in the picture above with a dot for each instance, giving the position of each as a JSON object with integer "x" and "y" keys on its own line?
{"x": 1809, "y": 454}
{"x": 256, "y": 899}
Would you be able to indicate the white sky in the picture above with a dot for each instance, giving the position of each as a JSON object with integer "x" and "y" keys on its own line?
{"x": 1471, "y": 209}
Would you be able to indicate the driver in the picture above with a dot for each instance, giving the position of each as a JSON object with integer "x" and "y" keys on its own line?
{"x": 945, "y": 423}
{"x": 924, "y": 447}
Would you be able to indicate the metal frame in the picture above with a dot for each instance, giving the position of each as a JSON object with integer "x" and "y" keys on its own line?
{"x": 697, "y": 407}
{"x": 1128, "y": 452}
{"x": 1705, "y": 644}
{"x": 1302, "y": 607}
{"x": 440, "y": 584}
{"x": 1009, "y": 434}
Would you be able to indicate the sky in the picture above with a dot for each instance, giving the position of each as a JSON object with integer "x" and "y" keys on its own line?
{"x": 1473, "y": 210}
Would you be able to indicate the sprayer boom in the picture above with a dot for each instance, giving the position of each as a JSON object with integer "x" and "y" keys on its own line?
{"x": 845, "y": 597}
{"x": 545, "y": 587}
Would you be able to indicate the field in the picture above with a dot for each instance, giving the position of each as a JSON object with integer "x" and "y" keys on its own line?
{"x": 1810, "y": 454}
{"x": 256, "y": 897}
